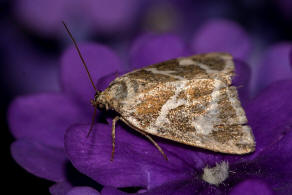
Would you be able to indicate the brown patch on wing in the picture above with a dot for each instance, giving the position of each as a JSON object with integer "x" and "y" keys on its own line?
{"x": 226, "y": 109}
{"x": 224, "y": 133}
{"x": 149, "y": 108}
{"x": 190, "y": 72}
{"x": 199, "y": 89}
{"x": 167, "y": 65}
{"x": 149, "y": 77}
{"x": 179, "y": 118}
{"x": 214, "y": 63}
{"x": 187, "y": 72}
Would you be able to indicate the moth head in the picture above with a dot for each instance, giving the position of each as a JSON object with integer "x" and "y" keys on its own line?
{"x": 98, "y": 102}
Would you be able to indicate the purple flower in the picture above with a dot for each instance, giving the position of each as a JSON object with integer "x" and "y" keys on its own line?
{"x": 101, "y": 15}
{"x": 274, "y": 66}
{"x": 82, "y": 190}
{"x": 39, "y": 123}
{"x": 222, "y": 35}
{"x": 24, "y": 64}
{"x": 137, "y": 163}
{"x": 290, "y": 56}
{"x": 150, "y": 48}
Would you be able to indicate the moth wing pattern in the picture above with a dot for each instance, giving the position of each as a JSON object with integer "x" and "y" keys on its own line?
{"x": 189, "y": 100}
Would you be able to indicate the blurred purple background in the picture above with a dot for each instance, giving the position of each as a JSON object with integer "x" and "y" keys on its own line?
{"x": 33, "y": 39}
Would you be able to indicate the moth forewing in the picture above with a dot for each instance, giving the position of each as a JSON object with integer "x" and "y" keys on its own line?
{"x": 188, "y": 100}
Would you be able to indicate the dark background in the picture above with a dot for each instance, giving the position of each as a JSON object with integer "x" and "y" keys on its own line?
{"x": 258, "y": 18}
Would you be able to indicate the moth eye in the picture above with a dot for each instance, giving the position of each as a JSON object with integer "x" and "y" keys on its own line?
{"x": 101, "y": 106}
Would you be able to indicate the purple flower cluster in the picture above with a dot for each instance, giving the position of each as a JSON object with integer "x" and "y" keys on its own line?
{"x": 96, "y": 15}
{"x": 51, "y": 128}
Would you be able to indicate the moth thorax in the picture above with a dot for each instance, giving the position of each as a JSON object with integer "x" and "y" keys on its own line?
{"x": 118, "y": 90}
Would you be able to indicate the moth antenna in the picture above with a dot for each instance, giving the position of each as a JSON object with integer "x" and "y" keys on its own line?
{"x": 80, "y": 55}
{"x": 92, "y": 122}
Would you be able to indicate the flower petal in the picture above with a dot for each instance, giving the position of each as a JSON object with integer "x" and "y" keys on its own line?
{"x": 241, "y": 80}
{"x": 111, "y": 191}
{"x": 222, "y": 35}
{"x": 104, "y": 81}
{"x": 136, "y": 163}
{"x": 270, "y": 114}
{"x": 290, "y": 56}
{"x": 242, "y": 73}
{"x": 39, "y": 159}
{"x": 251, "y": 186}
{"x": 44, "y": 117}
{"x": 271, "y": 166}
{"x": 176, "y": 187}
{"x": 150, "y": 48}
{"x": 27, "y": 68}
{"x": 275, "y": 66}
{"x": 83, "y": 190}
{"x": 111, "y": 15}
{"x": 60, "y": 188}
{"x": 275, "y": 164}
{"x": 101, "y": 61}
{"x": 43, "y": 16}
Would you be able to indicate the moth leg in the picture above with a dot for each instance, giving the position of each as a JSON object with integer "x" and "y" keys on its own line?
{"x": 115, "y": 120}
{"x": 146, "y": 135}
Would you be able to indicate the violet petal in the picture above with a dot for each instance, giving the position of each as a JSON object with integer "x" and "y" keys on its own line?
{"x": 290, "y": 56}
{"x": 111, "y": 191}
{"x": 27, "y": 68}
{"x": 39, "y": 159}
{"x": 220, "y": 35}
{"x": 104, "y": 81}
{"x": 103, "y": 15}
{"x": 242, "y": 73}
{"x": 111, "y": 15}
{"x": 83, "y": 190}
{"x": 275, "y": 163}
{"x": 43, "y": 16}
{"x": 176, "y": 187}
{"x": 241, "y": 80}
{"x": 275, "y": 66}
{"x": 100, "y": 60}
{"x": 149, "y": 49}
{"x": 136, "y": 163}
{"x": 44, "y": 117}
{"x": 60, "y": 188}
{"x": 270, "y": 114}
{"x": 251, "y": 186}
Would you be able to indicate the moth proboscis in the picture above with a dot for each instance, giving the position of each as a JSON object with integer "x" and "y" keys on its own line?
{"x": 189, "y": 100}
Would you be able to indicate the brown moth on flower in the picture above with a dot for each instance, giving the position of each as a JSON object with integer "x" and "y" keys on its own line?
{"x": 189, "y": 100}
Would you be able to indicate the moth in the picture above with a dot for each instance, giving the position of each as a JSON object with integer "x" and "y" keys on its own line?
{"x": 189, "y": 100}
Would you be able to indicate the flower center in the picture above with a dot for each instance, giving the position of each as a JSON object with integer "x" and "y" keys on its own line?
{"x": 216, "y": 175}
